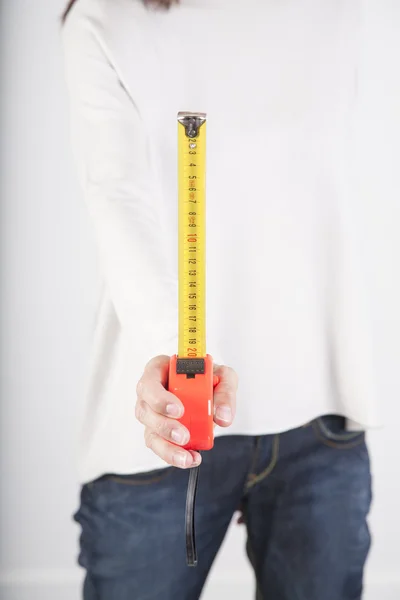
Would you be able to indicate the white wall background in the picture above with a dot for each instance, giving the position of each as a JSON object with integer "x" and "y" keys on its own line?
{"x": 48, "y": 293}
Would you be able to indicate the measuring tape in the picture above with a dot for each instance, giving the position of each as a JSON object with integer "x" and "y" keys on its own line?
{"x": 192, "y": 130}
{"x": 191, "y": 376}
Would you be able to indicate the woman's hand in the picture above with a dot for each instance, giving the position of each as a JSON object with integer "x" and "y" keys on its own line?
{"x": 158, "y": 410}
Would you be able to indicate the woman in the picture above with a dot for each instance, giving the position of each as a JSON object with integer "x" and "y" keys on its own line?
{"x": 284, "y": 303}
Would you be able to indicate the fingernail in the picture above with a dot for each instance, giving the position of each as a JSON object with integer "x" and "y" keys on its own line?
{"x": 224, "y": 413}
{"x": 196, "y": 462}
{"x": 179, "y": 436}
{"x": 173, "y": 410}
{"x": 180, "y": 459}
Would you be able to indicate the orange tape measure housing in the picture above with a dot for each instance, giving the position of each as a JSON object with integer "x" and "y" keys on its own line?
{"x": 195, "y": 390}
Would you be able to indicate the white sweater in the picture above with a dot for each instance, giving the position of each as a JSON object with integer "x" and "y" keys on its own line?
{"x": 285, "y": 298}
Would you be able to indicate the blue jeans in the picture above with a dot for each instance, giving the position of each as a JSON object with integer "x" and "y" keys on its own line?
{"x": 305, "y": 496}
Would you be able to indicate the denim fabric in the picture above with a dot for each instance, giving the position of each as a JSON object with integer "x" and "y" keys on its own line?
{"x": 305, "y": 496}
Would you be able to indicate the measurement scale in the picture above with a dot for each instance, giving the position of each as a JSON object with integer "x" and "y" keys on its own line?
{"x": 191, "y": 376}
{"x": 192, "y": 226}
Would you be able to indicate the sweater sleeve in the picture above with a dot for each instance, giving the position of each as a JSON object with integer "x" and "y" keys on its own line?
{"x": 110, "y": 148}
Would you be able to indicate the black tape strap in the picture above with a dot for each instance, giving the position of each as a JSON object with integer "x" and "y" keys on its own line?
{"x": 191, "y": 553}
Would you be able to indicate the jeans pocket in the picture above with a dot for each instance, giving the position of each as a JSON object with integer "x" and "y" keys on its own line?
{"x": 331, "y": 430}
{"x": 141, "y": 478}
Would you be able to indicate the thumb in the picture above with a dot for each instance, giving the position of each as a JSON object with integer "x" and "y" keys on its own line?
{"x": 225, "y": 395}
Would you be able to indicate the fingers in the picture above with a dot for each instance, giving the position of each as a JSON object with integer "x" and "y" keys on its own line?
{"x": 225, "y": 395}
{"x": 164, "y": 427}
{"x": 158, "y": 410}
{"x": 151, "y": 389}
{"x": 171, "y": 454}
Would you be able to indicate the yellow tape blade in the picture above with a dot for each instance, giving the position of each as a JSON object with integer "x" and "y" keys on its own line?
{"x": 192, "y": 235}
